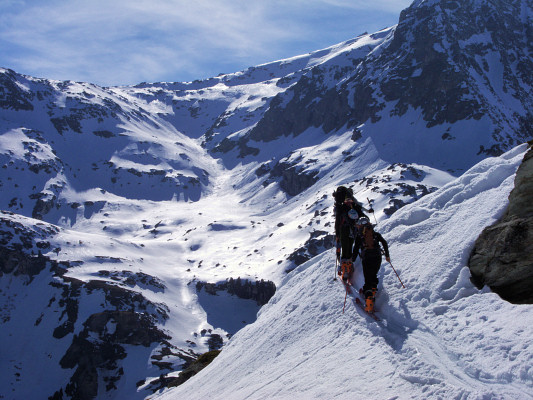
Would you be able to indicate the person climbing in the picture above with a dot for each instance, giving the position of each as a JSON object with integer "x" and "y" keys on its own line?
{"x": 347, "y": 212}
{"x": 368, "y": 241}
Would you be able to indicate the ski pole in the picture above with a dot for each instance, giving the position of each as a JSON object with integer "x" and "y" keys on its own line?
{"x": 337, "y": 257}
{"x": 370, "y": 204}
{"x": 397, "y": 274}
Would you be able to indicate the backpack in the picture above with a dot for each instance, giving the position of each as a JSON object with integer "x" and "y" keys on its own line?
{"x": 369, "y": 241}
{"x": 341, "y": 193}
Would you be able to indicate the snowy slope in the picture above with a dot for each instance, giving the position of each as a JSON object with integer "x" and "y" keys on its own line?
{"x": 439, "y": 338}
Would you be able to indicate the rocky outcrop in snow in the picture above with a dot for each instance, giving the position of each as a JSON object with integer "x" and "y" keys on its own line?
{"x": 503, "y": 254}
{"x": 260, "y": 291}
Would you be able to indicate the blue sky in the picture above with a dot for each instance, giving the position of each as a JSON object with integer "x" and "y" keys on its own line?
{"x": 123, "y": 42}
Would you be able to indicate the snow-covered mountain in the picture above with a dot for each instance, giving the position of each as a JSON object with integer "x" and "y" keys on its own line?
{"x": 143, "y": 226}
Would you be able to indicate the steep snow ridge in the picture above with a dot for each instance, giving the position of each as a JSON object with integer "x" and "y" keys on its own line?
{"x": 439, "y": 338}
{"x": 354, "y": 49}
{"x": 298, "y": 64}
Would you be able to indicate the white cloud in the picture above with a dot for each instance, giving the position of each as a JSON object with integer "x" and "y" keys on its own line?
{"x": 128, "y": 41}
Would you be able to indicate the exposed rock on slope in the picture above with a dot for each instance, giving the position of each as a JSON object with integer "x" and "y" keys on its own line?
{"x": 260, "y": 291}
{"x": 502, "y": 257}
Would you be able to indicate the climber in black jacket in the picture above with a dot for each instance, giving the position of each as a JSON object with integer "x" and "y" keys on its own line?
{"x": 368, "y": 241}
{"x": 347, "y": 212}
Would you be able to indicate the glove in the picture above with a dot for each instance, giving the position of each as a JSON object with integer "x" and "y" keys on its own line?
{"x": 371, "y": 210}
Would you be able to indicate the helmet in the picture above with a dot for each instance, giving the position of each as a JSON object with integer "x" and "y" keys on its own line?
{"x": 364, "y": 221}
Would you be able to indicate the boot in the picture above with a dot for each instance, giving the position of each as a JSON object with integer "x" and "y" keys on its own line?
{"x": 369, "y": 307}
{"x": 370, "y": 296}
{"x": 347, "y": 269}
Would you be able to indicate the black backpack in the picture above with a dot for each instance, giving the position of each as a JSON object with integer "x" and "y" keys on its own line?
{"x": 341, "y": 193}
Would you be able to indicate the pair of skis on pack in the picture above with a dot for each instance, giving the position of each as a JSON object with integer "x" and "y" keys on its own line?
{"x": 359, "y": 300}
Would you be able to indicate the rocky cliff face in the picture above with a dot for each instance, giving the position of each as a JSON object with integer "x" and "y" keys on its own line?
{"x": 446, "y": 63}
{"x": 502, "y": 257}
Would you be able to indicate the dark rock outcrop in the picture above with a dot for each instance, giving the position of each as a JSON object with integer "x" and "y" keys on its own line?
{"x": 13, "y": 96}
{"x": 192, "y": 369}
{"x": 17, "y": 263}
{"x": 260, "y": 291}
{"x": 293, "y": 182}
{"x": 90, "y": 356}
{"x": 502, "y": 257}
{"x": 318, "y": 242}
